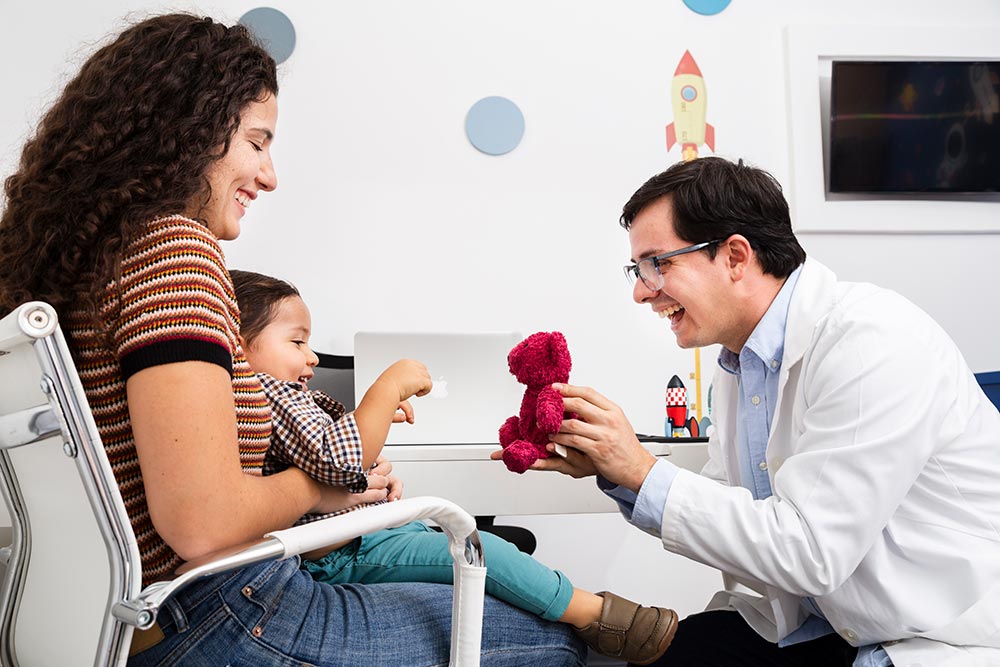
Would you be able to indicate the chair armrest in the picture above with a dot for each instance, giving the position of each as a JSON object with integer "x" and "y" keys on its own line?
{"x": 460, "y": 527}
{"x": 458, "y": 524}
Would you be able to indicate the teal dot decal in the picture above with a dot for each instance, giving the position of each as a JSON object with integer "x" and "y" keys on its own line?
{"x": 494, "y": 125}
{"x": 273, "y": 29}
{"x": 707, "y": 7}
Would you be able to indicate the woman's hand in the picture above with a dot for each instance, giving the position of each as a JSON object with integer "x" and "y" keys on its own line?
{"x": 383, "y": 470}
{"x": 336, "y": 498}
{"x": 382, "y": 485}
{"x": 395, "y": 488}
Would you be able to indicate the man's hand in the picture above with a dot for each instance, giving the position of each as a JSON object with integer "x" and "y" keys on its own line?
{"x": 601, "y": 438}
{"x": 575, "y": 463}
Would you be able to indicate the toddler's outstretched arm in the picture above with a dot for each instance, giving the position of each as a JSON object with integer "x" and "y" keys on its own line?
{"x": 376, "y": 410}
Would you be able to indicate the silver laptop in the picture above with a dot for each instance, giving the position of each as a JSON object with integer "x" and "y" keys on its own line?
{"x": 474, "y": 392}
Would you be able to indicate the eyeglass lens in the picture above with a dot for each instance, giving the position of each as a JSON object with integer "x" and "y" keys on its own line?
{"x": 649, "y": 273}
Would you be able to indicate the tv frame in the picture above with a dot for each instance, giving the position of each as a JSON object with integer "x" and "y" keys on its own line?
{"x": 809, "y": 52}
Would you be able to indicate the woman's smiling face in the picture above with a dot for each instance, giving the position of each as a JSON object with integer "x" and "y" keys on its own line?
{"x": 245, "y": 170}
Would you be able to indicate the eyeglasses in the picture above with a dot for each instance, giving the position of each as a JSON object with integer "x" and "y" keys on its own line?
{"x": 648, "y": 269}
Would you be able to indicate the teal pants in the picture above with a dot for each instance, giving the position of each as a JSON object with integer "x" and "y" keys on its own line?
{"x": 415, "y": 552}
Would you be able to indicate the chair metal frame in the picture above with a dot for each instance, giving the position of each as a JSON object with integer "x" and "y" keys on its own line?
{"x": 66, "y": 415}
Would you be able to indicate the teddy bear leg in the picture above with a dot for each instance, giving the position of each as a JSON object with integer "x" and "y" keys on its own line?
{"x": 519, "y": 455}
{"x": 509, "y": 431}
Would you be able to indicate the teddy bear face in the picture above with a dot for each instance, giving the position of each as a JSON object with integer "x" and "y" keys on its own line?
{"x": 540, "y": 359}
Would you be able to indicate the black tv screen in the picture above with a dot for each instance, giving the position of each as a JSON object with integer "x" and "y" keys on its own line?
{"x": 915, "y": 126}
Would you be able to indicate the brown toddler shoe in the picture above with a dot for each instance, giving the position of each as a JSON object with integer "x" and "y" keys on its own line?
{"x": 630, "y": 632}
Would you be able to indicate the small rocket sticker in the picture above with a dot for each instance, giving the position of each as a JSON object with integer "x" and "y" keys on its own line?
{"x": 689, "y": 102}
{"x": 676, "y": 400}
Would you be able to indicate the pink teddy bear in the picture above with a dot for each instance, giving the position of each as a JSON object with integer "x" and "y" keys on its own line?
{"x": 537, "y": 361}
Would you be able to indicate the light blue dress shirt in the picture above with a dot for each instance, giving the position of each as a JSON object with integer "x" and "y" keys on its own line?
{"x": 757, "y": 368}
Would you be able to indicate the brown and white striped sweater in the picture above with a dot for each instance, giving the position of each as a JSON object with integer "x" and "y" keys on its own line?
{"x": 175, "y": 303}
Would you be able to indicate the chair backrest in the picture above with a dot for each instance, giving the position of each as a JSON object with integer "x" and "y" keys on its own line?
{"x": 73, "y": 554}
{"x": 71, "y": 593}
{"x": 335, "y": 376}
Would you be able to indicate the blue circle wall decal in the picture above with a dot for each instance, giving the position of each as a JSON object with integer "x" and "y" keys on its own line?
{"x": 707, "y": 7}
{"x": 494, "y": 125}
{"x": 274, "y": 29}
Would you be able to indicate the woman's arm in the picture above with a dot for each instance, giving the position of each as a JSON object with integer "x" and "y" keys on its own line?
{"x": 200, "y": 500}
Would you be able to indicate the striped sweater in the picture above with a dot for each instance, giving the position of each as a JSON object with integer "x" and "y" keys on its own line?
{"x": 174, "y": 302}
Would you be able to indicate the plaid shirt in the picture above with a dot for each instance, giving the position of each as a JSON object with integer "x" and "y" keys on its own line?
{"x": 311, "y": 432}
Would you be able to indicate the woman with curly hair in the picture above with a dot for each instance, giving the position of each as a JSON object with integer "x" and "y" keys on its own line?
{"x": 151, "y": 156}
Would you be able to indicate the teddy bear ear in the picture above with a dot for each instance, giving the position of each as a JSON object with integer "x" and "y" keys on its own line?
{"x": 558, "y": 350}
{"x": 556, "y": 341}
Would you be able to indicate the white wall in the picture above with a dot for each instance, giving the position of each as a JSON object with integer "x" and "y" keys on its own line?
{"x": 387, "y": 218}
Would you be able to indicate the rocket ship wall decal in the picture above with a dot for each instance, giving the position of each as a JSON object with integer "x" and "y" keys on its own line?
{"x": 689, "y": 102}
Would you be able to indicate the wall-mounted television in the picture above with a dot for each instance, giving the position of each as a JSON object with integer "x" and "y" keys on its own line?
{"x": 914, "y": 126}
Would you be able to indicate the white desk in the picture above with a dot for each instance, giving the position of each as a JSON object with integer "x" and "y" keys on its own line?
{"x": 465, "y": 475}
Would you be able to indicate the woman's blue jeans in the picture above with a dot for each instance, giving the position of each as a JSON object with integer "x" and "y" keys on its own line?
{"x": 276, "y": 614}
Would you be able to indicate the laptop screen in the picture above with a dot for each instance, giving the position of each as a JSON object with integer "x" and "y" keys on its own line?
{"x": 474, "y": 392}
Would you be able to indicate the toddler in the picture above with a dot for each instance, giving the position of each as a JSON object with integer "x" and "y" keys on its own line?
{"x": 312, "y": 431}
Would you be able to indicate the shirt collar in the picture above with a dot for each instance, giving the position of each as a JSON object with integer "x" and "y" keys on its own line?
{"x": 271, "y": 381}
{"x": 767, "y": 342}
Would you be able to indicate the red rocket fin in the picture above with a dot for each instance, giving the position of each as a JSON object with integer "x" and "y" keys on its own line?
{"x": 672, "y": 137}
{"x": 710, "y": 136}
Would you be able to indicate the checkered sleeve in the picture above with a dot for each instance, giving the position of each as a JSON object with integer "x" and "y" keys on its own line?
{"x": 325, "y": 445}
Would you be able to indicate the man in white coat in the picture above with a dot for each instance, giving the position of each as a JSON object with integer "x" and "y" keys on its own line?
{"x": 853, "y": 482}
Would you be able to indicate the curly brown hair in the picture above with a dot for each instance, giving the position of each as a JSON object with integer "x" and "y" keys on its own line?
{"x": 129, "y": 140}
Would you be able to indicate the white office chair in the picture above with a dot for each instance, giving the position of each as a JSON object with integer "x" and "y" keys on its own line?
{"x": 71, "y": 593}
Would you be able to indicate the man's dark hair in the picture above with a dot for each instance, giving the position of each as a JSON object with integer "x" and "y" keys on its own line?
{"x": 713, "y": 198}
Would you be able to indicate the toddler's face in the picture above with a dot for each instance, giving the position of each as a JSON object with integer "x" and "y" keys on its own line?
{"x": 282, "y": 348}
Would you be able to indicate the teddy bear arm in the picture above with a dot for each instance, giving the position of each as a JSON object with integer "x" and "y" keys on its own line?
{"x": 549, "y": 411}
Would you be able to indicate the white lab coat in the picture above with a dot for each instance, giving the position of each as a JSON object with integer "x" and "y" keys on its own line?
{"x": 884, "y": 461}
